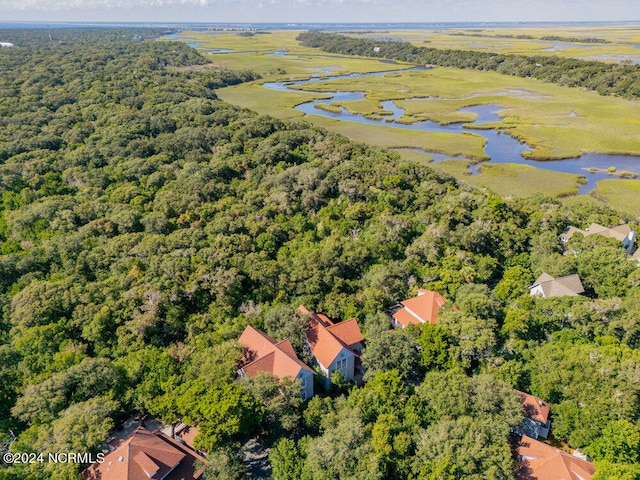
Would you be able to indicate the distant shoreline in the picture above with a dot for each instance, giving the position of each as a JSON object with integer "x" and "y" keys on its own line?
{"x": 306, "y": 25}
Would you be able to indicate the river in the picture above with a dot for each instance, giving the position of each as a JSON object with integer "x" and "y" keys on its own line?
{"x": 501, "y": 147}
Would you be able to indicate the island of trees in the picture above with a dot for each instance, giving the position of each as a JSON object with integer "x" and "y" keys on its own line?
{"x": 604, "y": 78}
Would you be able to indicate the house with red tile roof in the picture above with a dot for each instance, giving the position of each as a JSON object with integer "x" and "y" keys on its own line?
{"x": 423, "y": 308}
{"x": 263, "y": 354}
{"x": 536, "y": 411}
{"x": 144, "y": 455}
{"x": 334, "y": 346}
{"x": 537, "y": 460}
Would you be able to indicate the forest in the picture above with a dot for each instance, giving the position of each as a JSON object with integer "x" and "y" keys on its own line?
{"x": 605, "y": 78}
{"x": 144, "y": 224}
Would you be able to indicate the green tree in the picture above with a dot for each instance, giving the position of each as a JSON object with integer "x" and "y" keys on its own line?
{"x": 391, "y": 350}
{"x": 286, "y": 460}
{"x": 618, "y": 443}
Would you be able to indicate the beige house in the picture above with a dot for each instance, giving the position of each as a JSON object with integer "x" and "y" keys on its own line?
{"x": 622, "y": 233}
{"x": 546, "y": 286}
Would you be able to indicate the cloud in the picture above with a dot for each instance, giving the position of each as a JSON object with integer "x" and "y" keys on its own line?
{"x": 61, "y": 5}
{"x": 56, "y": 5}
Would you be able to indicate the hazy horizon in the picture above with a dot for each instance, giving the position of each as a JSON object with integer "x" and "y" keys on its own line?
{"x": 317, "y": 11}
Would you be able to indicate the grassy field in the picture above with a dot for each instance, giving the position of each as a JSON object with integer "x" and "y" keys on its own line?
{"x": 257, "y": 53}
{"x": 622, "y": 195}
{"x": 621, "y": 41}
{"x": 511, "y": 180}
{"x": 555, "y": 121}
{"x": 269, "y": 102}
{"x": 469, "y": 145}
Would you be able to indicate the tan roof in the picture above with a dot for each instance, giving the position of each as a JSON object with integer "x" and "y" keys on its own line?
{"x": 619, "y": 232}
{"x": 570, "y": 231}
{"x": 559, "y": 287}
{"x": 423, "y": 308}
{"x": 540, "y": 461}
{"x": 144, "y": 455}
{"x": 263, "y": 354}
{"x": 327, "y": 339}
{"x": 534, "y": 408}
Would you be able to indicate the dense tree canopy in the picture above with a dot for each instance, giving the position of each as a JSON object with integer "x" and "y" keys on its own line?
{"x": 144, "y": 224}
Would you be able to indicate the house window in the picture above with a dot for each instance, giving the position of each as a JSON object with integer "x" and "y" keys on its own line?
{"x": 304, "y": 395}
{"x": 341, "y": 364}
{"x": 303, "y": 382}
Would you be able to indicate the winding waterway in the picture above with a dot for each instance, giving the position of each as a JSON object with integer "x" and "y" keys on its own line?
{"x": 501, "y": 147}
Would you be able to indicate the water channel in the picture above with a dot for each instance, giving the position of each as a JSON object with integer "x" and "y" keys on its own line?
{"x": 501, "y": 147}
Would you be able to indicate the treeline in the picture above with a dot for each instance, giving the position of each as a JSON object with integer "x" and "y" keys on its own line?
{"x": 144, "y": 224}
{"x": 553, "y": 38}
{"x": 604, "y": 78}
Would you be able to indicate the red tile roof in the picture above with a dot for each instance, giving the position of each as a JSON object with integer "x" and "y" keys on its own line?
{"x": 348, "y": 332}
{"x": 147, "y": 455}
{"x": 423, "y": 308}
{"x": 327, "y": 339}
{"x": 534, "y": 408}
{"x": 263, "y": 354}
{"x": 187, "y": 434}
{"x": 540, "y": 461}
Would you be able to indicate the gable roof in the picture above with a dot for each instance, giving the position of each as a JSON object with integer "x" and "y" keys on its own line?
{"x": 263, "y": 354}
{"x": 347, "y": 331}
{"x": 327, "y": 339}
{"x": 619, "y": 232}
{"x": 144, "y": 455}
{"x": 534, "y": 408}
{"x": 540, "y": 461}
{"x": 423, "y": 308}
{"x": 559, "y": 287}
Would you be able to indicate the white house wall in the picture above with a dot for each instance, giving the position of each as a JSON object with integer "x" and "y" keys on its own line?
{"x": 308, "y": 388}
{"x": 350, "y": 368}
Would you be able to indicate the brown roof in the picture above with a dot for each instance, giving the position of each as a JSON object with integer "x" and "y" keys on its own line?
{"x": 534, "y": 408}
{"x": 187, "y": 434}
{"x": 540, "y": 461}
{"x": 423, "y": 308}
{"x": 327, "y": 339}
{"x": 263, "y": 354}
{"x": 559, "y": 287}
{"x": 145, "y": 455}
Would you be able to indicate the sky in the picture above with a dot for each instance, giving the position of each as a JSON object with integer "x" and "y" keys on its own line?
{"x": 344, "y": 11}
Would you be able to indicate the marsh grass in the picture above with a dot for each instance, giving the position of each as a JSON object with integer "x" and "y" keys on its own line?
{"x": 468, "y": 145}
{"x": 623, "y": 195}
{"x": 512, "y": 180}
{"x": 557, "y": 122}
{"x": 621, "y": 40}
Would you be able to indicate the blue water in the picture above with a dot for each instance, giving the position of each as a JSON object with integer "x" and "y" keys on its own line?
{"x": 501, "y": 147}
{"x": 214, "y": 51}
